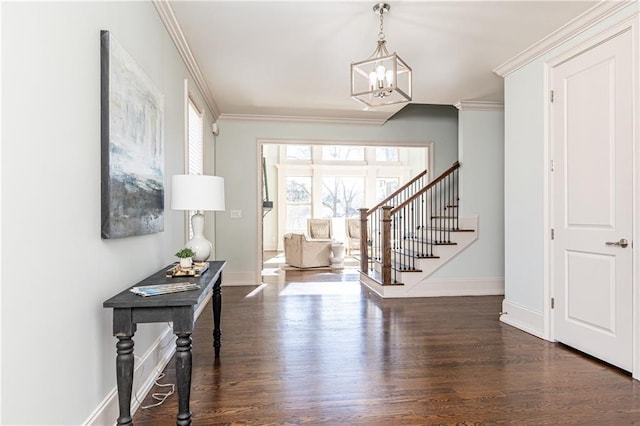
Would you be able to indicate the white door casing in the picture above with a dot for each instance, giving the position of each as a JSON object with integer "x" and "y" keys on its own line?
{"x": 591, "y": 127}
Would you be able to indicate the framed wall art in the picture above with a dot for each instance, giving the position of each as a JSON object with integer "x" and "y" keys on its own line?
{"x": 132, "y": 145}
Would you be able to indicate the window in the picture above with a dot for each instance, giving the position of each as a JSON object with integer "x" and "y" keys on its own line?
{"x": 334, "y": 181}
{"x": 386, "y": 153}
{"x": 342, "y": 196}
{"x": 195, "y": 156}
{"x": 343, "y": 153}
{"x": 385, "y": 187}
{"x": 298, "y": 202}
{"x": 298, "y": 152}
{"x": 194, "y": 149}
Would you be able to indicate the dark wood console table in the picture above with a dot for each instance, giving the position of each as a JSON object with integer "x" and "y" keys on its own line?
{"x": 130, "y": 309}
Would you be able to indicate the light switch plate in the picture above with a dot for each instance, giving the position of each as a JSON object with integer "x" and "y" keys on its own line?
{"x": 236, "y": 214}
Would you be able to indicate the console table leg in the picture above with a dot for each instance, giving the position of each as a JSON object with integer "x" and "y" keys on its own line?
{"x": 217, "y": 307}
{"x": 183, "y": 377}
{"x": 124, "y": 378}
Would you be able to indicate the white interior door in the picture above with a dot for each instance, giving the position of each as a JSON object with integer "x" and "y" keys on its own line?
{"x": 592, "y": 140}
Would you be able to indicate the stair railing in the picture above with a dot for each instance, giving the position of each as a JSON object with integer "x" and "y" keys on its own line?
{"x": 371, "y": 247}
{"x": 398, "y": 234}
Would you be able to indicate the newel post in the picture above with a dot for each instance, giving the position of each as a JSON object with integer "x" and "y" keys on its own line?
{"x": 386, "y": 244}
{"x": 364, "y": 242}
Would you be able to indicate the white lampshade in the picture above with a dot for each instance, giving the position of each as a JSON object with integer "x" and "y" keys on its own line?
{"x": 197, "y": 192}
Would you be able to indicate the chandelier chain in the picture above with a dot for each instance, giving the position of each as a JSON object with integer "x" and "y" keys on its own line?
{"x": 381, "y": 33}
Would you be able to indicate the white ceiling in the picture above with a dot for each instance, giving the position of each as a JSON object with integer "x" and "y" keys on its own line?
{"x": 292, "y": 58}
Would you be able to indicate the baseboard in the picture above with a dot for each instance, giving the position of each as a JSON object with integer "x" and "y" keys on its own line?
{"x": 146, "y": 370}
{"x": 523, "y": 318}
{"x": 492, "y": 286}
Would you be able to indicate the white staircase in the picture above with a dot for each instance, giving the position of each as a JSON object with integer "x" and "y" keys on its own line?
{"x": 414, "y": 232}
{"x": 417, "y": 283}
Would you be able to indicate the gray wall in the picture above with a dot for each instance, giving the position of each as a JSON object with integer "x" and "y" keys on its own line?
{"x": 58, "y": 357}
{"x": 237, "y": 160}
{"x": 481, "y": 154}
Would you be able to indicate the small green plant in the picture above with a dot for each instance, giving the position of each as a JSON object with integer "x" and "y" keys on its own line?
{"x": 184, "y": 253}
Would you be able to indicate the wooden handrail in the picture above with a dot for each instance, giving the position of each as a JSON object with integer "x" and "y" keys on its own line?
{"x": 396, "y": 192}
{"x": 431, "y": 184}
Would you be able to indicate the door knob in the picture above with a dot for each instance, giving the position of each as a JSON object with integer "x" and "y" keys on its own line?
{"x": 622, "y": 243}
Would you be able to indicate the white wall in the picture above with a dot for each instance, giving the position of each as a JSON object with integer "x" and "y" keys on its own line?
{"x": 481, "y": 155}
{"x": 524, "y": 187}
{"x": 58, "y": 360}
{"x": 525, "y": 183}
{"x": 237, "y": 160}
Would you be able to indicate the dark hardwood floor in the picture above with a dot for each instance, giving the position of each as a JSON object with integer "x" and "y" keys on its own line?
{"x": 317, "y": 348}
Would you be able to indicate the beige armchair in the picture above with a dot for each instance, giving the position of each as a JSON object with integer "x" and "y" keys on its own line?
{"x": 319, "y": 228}
{"x": 352, "y": 229}
{"x": 301, "y": 252}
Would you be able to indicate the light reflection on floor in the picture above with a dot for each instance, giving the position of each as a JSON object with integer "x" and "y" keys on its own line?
{"x": 321, "y": 288}
{"x": 270, "y": 272}
{"x": 282, "y": 280}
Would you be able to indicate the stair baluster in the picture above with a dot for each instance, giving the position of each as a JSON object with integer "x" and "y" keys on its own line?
{"x": 407, "y": 224}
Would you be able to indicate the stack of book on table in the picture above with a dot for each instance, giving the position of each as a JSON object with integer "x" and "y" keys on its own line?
{"x": 157, "y": 289}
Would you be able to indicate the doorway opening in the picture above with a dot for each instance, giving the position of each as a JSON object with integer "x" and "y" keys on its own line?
{"x": 304, "y": 180}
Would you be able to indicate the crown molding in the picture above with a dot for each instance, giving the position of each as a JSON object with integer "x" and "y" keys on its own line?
{"x": 480, "y": 105}
{"x": 592, "y": 16}
{"x": 175, "y": 32}
{"x": 302, "y": 119}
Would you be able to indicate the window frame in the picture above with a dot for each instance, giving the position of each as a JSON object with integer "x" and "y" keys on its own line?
{"x": 191, "y": 102}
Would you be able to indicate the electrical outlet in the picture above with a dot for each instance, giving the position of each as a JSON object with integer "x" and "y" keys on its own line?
{"x": 236, "y": 214}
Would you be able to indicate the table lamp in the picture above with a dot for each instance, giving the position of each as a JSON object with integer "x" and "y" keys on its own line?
{"x": 199, "y": 193}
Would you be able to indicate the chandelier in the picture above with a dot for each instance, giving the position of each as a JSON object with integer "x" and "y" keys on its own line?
{"x": 384, "y": 78}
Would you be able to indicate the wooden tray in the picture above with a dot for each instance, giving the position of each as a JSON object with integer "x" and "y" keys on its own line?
{"x": 195, "y": 270}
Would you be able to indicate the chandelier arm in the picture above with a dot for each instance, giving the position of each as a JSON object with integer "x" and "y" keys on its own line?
{"x": 381, "y": 50}
{"x": 384, "y": 50}
{"x": 376, "y": 53}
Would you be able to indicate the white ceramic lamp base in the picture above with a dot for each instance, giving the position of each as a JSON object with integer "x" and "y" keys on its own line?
{"x": 201, "y": 247}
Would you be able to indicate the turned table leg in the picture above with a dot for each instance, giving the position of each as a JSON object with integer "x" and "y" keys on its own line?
{"x": 183, "y": 377}
{"x": 124, "y": 378}
{"x": 217, "y": 307}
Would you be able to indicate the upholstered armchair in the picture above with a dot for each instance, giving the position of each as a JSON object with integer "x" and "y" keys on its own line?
{"x": 352, "y": 229}
{"x": 319, "y": 229}
{"x": 301, "y": 252}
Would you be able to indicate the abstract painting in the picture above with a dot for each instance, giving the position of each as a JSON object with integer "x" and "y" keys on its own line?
{"x": 132, "y": 145}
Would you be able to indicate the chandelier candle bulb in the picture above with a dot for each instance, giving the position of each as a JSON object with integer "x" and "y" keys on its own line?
{"x": 389, "y": 78}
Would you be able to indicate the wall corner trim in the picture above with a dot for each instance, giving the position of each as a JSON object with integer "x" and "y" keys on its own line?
{"x": 592, "y": 16}
{"x": 170, "y": 22}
